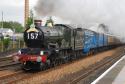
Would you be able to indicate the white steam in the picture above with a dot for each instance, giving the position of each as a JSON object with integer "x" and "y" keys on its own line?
{"x": 109, "y": 12}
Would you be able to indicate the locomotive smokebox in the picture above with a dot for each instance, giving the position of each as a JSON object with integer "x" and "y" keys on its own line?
{"x": 38, "y": 22}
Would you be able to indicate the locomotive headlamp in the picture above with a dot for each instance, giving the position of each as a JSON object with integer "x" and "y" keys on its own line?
{"x": 39, "y": 59}
{"x": 57, "y": 51}
{"x": 41, "y": 52}
{"x": 19, "y": 52}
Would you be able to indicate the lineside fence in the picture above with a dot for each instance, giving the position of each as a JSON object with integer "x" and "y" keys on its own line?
{"x": 7, "y": 45}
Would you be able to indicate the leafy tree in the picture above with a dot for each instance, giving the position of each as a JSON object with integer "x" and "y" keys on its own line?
{"x": 29, "y": 22}
{"x": 16, "y": 26}
{"x": 30, "y": 19}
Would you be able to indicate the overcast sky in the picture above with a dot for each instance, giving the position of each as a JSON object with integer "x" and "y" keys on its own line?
{"x": 14, "y": 9}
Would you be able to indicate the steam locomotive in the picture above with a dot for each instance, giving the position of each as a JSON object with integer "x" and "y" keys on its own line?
{"x": 51, "y": 46}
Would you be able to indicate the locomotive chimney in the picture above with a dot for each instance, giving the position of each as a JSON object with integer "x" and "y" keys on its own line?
{"x": 38, "y": 22}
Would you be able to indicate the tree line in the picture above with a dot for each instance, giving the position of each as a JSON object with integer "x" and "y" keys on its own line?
{"x": 15, "y": 26}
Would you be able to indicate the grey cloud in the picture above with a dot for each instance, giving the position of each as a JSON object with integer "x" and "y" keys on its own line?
{"x": 13, "y": 13}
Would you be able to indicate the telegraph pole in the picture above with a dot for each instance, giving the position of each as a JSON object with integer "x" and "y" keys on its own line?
{"x": 26, "y": 12}
{"x": 2, "y": 20}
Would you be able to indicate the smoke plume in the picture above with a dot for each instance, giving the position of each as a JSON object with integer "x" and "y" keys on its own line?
{"x": 87, "y": 12}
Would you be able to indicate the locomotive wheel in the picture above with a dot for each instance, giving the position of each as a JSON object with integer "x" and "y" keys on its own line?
{"x": 60, "y": 61}
{"x": 87, "y": 54}
{"x": 79, "y": 53}
{"x": 26, "y": 67}
{"x": 54, "y": 63}
{"x": 91, "y": 53}
{"x": 75, "y": 55}
{"x": 42, "y": 66}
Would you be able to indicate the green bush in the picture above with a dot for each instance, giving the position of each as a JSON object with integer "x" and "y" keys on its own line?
{"x": 6, "y": 43}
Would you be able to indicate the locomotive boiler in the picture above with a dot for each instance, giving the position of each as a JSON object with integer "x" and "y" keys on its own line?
{"x": 41, "y": 36}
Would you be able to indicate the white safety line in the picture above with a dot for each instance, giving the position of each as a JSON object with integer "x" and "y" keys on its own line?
{"x": 100, "y": 77}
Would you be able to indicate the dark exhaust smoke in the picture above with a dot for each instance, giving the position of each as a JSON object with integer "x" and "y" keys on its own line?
{"x": 87, "y": 12}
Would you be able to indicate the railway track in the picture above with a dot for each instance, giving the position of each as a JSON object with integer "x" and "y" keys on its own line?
{"x": 29, "y": 76}
{"x": 5, "y": 58}
{"x": 10, "y": 73}
{"x": 7, "y": 79}
{"x": 83, "y": 77}
{"x": 7, "y": 61}
{"x": 7, "y": 66}
{"x": 10, "y": 70}
{"x": 7, "y": 53}
{"x": 20, "y": 75}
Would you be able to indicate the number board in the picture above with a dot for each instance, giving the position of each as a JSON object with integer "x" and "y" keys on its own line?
{"x": 32, "y": 35}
